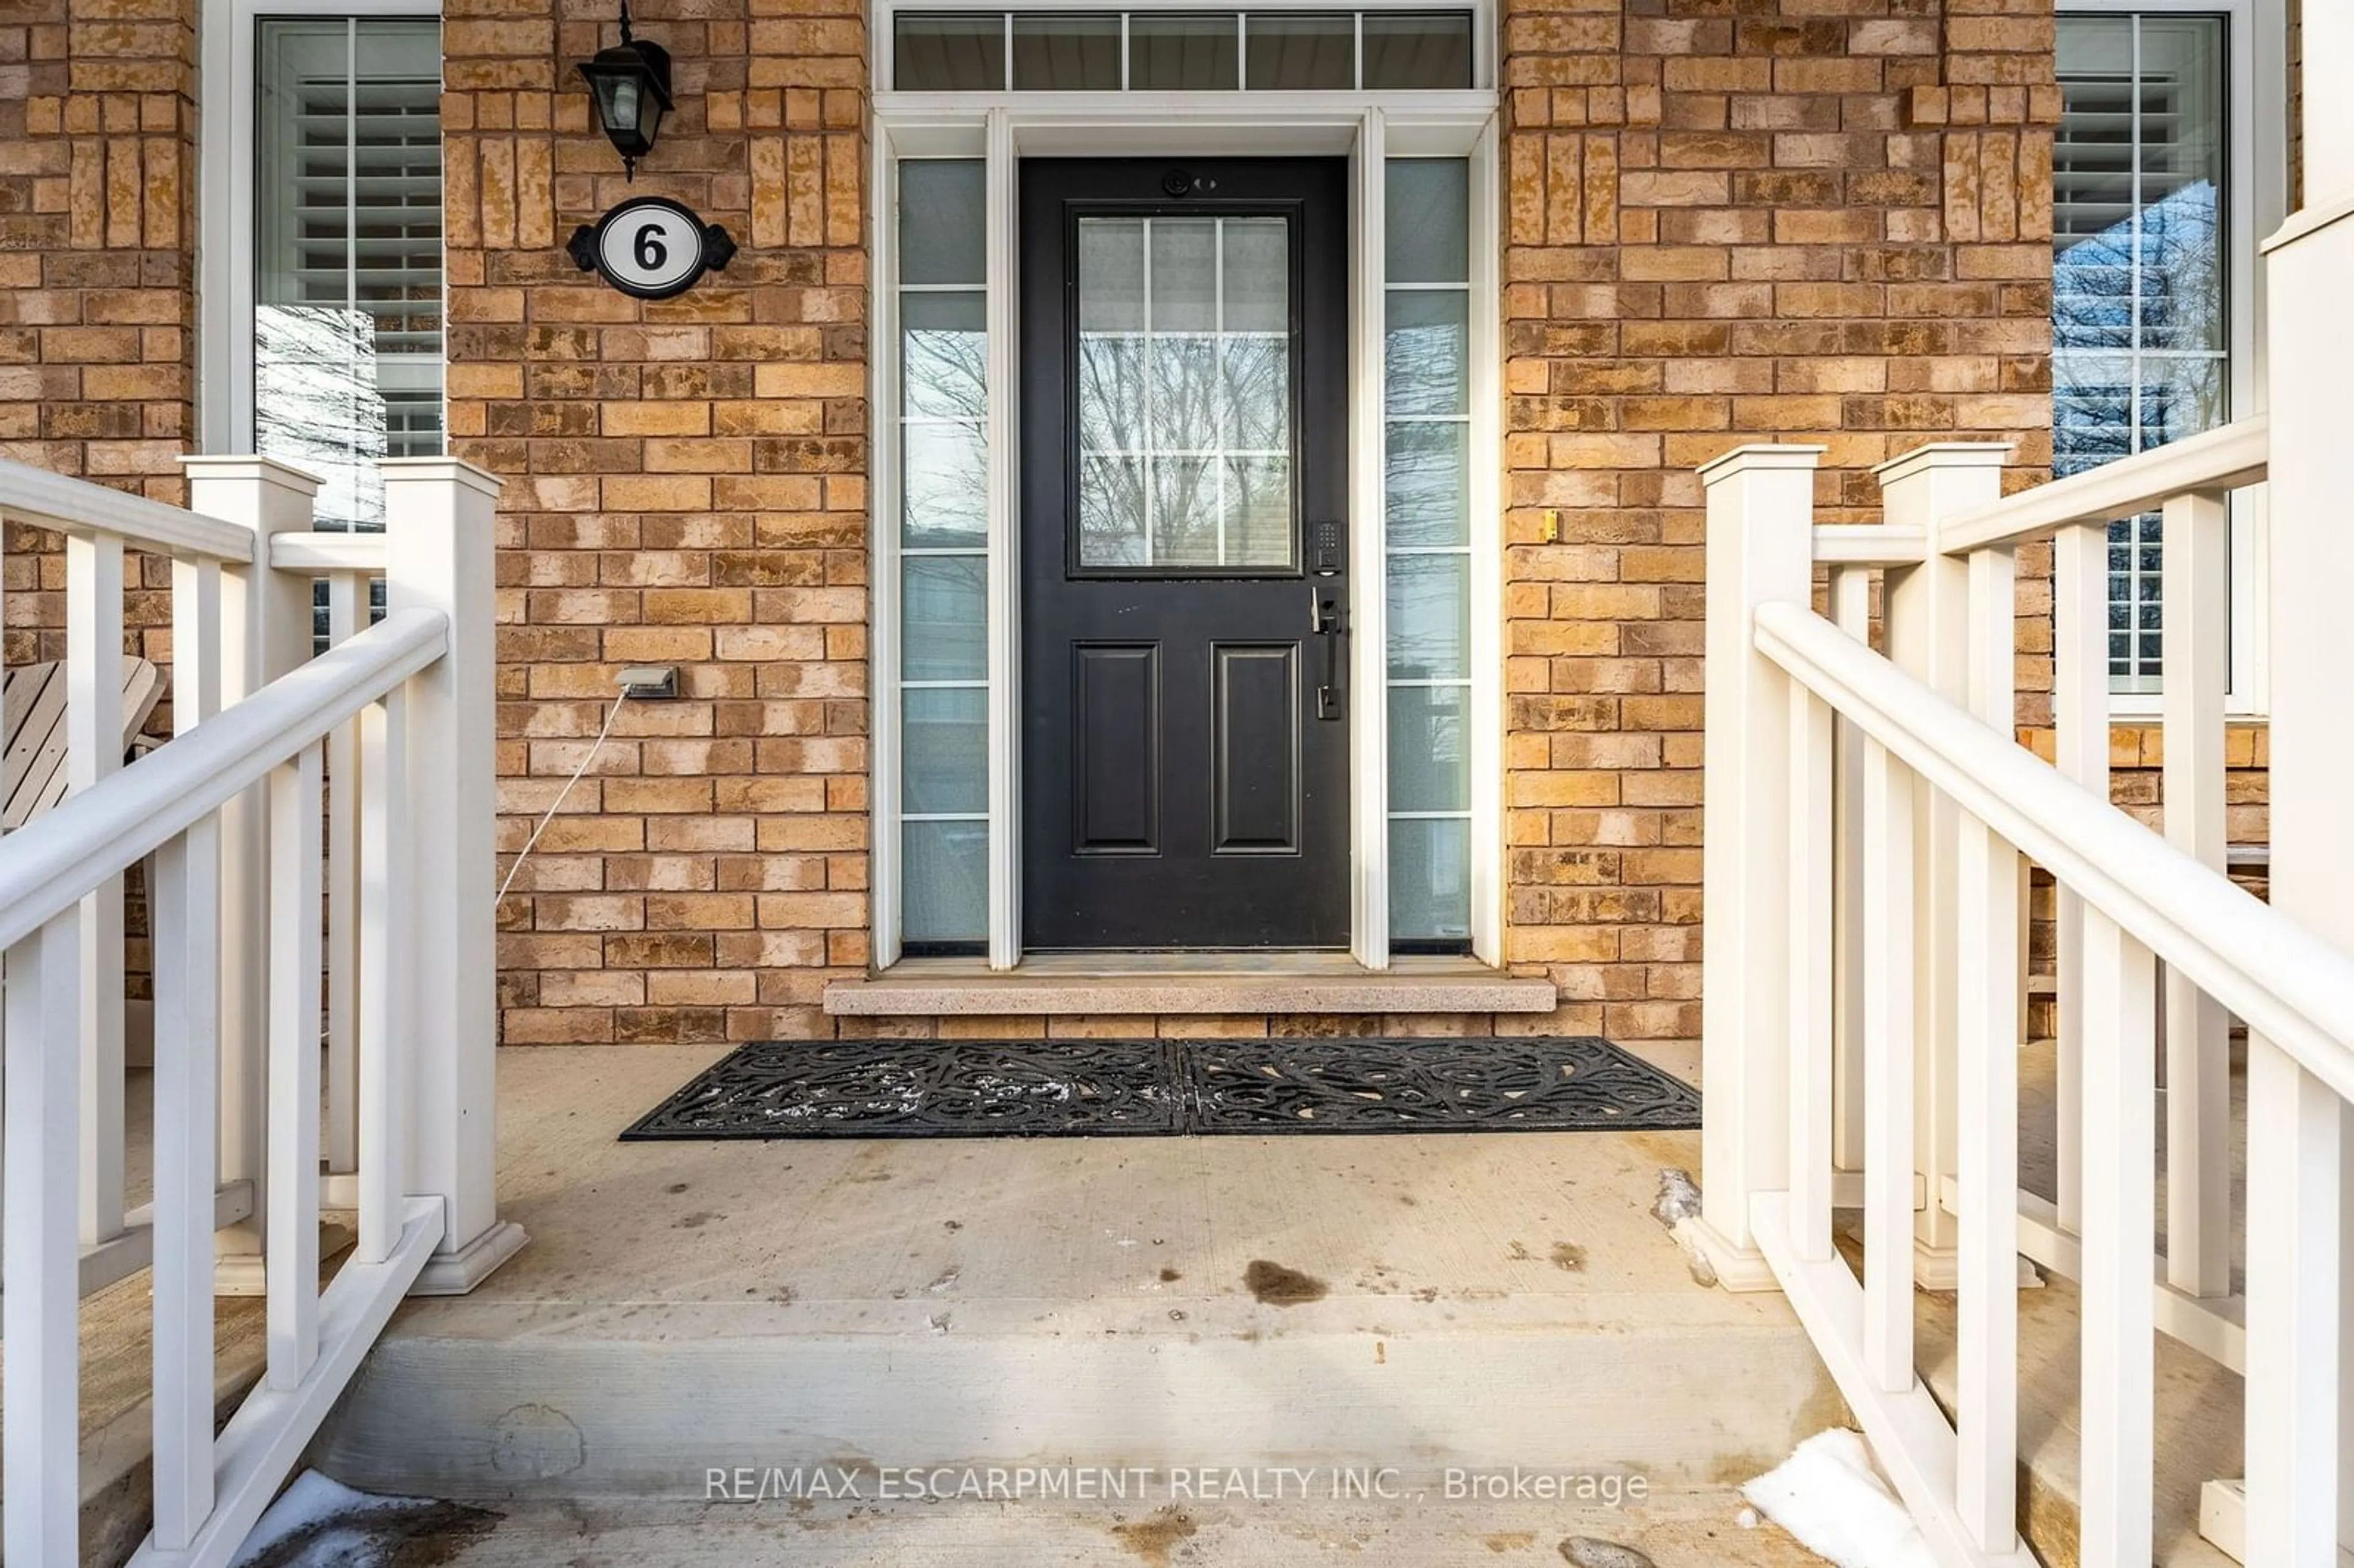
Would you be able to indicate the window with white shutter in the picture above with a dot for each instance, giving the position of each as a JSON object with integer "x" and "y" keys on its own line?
{"x": 2140, "y": 274}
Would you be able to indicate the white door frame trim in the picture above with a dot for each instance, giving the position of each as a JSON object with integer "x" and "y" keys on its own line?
{"x": 1004, "y": 128}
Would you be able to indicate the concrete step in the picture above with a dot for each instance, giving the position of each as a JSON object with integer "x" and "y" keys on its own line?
{"x": 1388, "y": 1304}
{"x": 1685, "y": 1530}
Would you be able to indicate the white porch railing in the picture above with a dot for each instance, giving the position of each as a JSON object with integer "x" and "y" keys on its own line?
{"x": 1869, "y": 822}
{"x": 253, "y": 858}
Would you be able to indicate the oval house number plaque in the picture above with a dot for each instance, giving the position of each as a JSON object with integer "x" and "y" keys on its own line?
{"x": 651, "y": 246}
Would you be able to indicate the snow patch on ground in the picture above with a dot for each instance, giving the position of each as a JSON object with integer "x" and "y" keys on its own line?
{"x": 1677, "y": 1208}
{"x": 1833, "y": 1502}
{"x": 319, "y": 1523}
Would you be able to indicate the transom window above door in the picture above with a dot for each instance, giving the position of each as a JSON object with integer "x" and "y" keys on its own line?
{"x": 1182, "y": 51}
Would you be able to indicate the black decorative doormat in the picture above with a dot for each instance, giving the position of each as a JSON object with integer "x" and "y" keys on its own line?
{"x": 1101, "y": 1088}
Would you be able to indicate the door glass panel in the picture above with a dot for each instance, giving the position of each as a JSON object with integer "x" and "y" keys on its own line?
{"x": 1184, "y": 383}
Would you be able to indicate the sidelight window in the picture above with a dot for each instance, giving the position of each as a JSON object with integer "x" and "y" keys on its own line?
{"x": 1426, "y": 433}
{"x": 943, "y": 553}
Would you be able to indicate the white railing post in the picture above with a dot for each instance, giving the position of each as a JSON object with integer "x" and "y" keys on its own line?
{"x": 2300, "y": 1255}
{"x": 1927, "y": 609}
{"x": 265, "y": 621}
{"x": 438, "y": 517}
{"x": 1760, "y": 551}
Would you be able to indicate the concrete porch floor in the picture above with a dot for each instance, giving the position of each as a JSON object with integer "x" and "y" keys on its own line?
{"x": 1469, "y": 1300}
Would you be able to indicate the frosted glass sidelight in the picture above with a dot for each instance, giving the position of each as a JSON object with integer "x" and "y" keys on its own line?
{"x": 945, "y": 875}
{"x": 943, "y": 222}
{"x": 1430, "y": 880}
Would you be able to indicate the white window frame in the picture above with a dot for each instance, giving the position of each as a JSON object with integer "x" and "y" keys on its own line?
{"x": 2255, "y": 44}
{"x": 1002, "y": 128}
{"x": 225, "y": 251}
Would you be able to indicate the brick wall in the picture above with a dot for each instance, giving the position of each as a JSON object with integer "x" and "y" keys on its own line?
{"x": 97, "y": 286}
{"x": 1778, "y": 220}
{"x": 686, "y": 486}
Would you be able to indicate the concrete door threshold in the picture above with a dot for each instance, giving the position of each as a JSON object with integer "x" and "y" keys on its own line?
{"x": 1195, "y": 982}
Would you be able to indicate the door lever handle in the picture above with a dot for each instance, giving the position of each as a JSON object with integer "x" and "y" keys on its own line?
{"x": 1330, "y": 626}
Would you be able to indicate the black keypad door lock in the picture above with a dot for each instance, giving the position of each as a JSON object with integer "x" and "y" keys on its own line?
{"x": 1324, "y": 550}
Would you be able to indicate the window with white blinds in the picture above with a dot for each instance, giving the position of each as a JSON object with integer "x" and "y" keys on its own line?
{"x": 347, "y": 252}
{"x": 2140, "y": 329}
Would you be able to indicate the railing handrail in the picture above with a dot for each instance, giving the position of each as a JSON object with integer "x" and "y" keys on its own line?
{"x": 2287, "y": 984}
{"x": 68, "y": 505}
{"x": 127, "y": 815}
{"x": 2226, "y": 457}
{"x": 329, "y": 551}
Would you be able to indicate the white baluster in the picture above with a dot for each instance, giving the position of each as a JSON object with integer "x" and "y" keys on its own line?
{"x": 184, "y": 919}
{"x": 1990, "y": 978}
{"x": 295, "y": 956}
{"x": 2080, "y": 699}
{"x": 347, "y": 614}
{"x": 1890, "y": 964}
{"x": 384, "y": 975}
{"x": 2197, "y": 670}
{"x": 1811, "y": 891}
{"x": 1986, "y": 928}
{"x": 1851, "y": 590}
{"x": 2119, "y": 1367}
{"x": 40, "y": 1440}
{"x": 94, "y": 751}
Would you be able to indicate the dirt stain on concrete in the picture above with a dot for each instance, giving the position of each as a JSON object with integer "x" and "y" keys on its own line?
{"x": 425, "y": 1535}
{"x": 1170, "y": 1276}
{"x": 1510, "y": 1541}
{"x": 1569, "y": 1257}
{"x": 696, "y": 1222}
{"x": 1153, "y": 1538}
{"x": 1276, "y": 1285}
{"x": 1589, "y": 1551}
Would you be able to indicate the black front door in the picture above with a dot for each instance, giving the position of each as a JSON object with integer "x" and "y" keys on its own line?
{"x": 1185, "y": 591}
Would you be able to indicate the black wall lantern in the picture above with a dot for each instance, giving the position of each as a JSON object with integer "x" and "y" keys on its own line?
{"x": 631, "y": 85}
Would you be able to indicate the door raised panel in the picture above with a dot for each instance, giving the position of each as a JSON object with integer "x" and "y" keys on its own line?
{"x": 1255, "y": 747}
{"x": 1116, "y": 749}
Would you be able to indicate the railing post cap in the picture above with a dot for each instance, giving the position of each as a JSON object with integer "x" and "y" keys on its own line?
{"x": 250, "y": 466}
{"x": 1943, "y": 454}
{"x": 440, "y": 469}
{"x": 1757, "y": 456}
